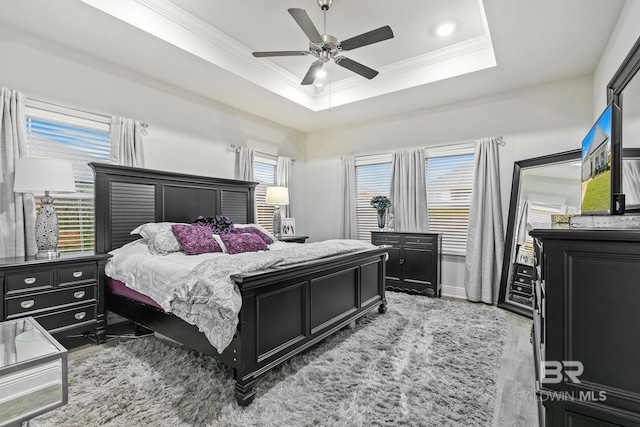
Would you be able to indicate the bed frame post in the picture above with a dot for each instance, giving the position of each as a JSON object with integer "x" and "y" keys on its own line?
{"x": 245, "y": 390}
{"x": 382, "y": 308}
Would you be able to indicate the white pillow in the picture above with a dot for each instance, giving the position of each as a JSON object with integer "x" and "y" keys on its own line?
{"x": 159, "y": 236}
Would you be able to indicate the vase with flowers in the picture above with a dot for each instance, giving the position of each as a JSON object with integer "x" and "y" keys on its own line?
{"x": 381, "y": 204}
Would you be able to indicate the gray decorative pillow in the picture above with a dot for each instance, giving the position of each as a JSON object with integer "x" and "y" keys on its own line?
{"x": 159, "y": 236}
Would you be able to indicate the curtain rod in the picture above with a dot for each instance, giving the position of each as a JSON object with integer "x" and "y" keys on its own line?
{"x": 234, "y": 149}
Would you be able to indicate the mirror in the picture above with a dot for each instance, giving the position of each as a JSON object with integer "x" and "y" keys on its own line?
{"x": 541, "y": 187}
{"x": 624, "y": 90}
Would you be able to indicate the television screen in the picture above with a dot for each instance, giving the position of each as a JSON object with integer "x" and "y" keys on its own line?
{"x": 599, "y": 166}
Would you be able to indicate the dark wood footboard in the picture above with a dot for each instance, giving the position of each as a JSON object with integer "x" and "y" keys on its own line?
{"x": 285, "y": 311}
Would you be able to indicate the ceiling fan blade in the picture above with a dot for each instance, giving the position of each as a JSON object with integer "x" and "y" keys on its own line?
{"x": 303, "y": 20}
{"x": 281, "y": 53}
{"x": 374, "y": 36}
{"x": 311, "y": 74}
{"x": 356, "y": 67}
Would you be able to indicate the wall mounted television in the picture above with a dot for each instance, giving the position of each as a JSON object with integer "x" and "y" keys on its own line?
{"x": 602, "y": 165}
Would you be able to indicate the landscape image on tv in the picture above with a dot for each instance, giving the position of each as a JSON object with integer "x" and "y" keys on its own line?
{"x": 596, "y": 166}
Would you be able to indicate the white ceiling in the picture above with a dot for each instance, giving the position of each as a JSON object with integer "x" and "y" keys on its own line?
{"x": 204, "y": 47}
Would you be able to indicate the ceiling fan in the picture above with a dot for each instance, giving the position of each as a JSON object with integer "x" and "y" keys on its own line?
{"x": 326, "y": 47}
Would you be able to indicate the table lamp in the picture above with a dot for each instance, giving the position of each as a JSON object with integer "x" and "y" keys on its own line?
{"x": 277, "y": 196}
{"x": 37, "y": 175}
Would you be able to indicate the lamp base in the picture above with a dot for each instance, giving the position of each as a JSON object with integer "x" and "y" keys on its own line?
{"x": 47, "y": 229}
{"x": 277, "y": 223}
{"x": 48, "y": 254}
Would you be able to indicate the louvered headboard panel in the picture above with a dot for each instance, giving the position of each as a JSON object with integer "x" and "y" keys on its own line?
{"x": 126, "y": 197}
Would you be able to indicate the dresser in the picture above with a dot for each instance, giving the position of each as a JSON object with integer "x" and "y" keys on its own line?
{"x": 521, "y": 288}
{"x": 65, "y": 295}
{"x": 414, "y": 261}
{"x": 586, "y": 326}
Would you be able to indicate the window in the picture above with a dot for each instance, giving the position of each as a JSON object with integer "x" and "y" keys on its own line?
{"x": 449, "y": 187}
{"x": 373, "y": 176}
{"x": 80, "y": 138}
{"x": 449, "y": 175}
{"x": 264, "y": 171}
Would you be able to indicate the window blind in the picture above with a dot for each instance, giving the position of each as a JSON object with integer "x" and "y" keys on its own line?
{"x": 372, "y": 179}
{"x": 79, "y": 140}
{"x": 264, "y": 171}
{"x": 449, "y": 187}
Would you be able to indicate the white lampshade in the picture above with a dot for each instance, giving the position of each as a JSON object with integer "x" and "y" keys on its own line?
{"x": 38, "y": 175}
{"x": 277, "y": 195}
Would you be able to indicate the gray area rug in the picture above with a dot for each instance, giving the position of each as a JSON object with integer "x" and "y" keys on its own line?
{"x": 426, "y": 362}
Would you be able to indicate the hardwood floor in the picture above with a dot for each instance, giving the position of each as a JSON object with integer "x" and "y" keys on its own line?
{"x": 515, "y": 402}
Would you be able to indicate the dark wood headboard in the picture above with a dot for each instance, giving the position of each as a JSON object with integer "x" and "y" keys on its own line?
{"x": 126, "y": 197}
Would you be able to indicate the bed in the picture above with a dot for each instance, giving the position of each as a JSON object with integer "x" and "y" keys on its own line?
{"x": 285, "y": 310}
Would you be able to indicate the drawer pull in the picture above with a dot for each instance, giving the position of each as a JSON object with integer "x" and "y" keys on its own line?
{"x": 77, "y": 274}
{"x": 80, "y": 316}
{"x": 27, "y": 304}
{"x": 79, "y": 294}
{"x": 30, "y": 280}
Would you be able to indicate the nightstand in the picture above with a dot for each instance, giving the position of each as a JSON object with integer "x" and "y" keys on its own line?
{"x": 65, "y": 295}
{"x": 294, "y": 239}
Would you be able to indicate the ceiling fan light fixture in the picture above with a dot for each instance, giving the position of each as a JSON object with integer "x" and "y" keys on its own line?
{"x": 445, "y": 29}
{"x": 320, "y": 74}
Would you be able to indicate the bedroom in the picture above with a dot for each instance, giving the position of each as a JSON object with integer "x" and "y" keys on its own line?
{"x": 537, "y": 115}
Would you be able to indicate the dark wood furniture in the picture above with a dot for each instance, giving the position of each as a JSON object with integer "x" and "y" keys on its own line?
{"x": 65, "y": 295}
{"x": 586, "y": 310}
{"x": 521, "y": 288}
{"x": 414, "y": 261}
{"x": 294, "y": 239}
{"x": 284, "y": 310}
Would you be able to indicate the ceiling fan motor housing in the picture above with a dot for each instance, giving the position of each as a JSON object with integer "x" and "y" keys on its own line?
{"x": 325, "y": 4}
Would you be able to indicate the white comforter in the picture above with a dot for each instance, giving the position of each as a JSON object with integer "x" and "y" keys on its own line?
{"x": 199, "y": 289}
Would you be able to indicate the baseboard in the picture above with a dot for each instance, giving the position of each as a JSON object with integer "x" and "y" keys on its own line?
{"x": 453, "y": 292}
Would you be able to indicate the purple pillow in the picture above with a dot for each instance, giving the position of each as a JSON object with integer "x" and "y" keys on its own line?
{"x": 195, "y": 239}
{"x": 243, "y": 242}
{"x": 220, "y": 224}
{"x": 252, "y": 230}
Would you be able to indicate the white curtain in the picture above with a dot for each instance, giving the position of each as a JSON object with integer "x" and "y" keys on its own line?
{"x": 17, "y": 210}
{"x": 283, "y": 179}
{"x": 348, "y": 225}
{"x": 126, "y": 142}
{"x": 245, "y": 158}
{"x": 485, "y": 238}
{"x": 523, "y": 219}
{"x": 408, "y": 190}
